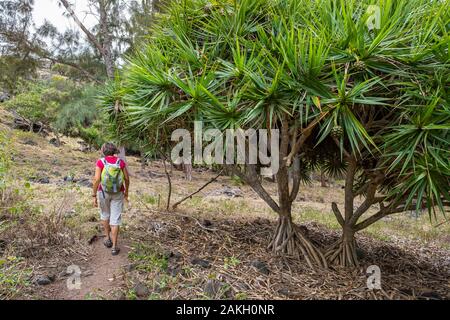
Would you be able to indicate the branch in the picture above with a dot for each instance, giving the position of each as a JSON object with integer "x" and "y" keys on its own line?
{"x": 169, "y": 181}
{"x": 194, "y": 193}
{"x": 349, "y": 181}
{"x": 256, "y": 185}
{"x": 46, "y": 55}
{"x": 383, "y": 212}
{"x": 90, "y": 36}
{"x": 337, "y": 213}
{"x": 304, "y": 135}
{"x": 371, "y": 188}
{"x": 345, "y": 152}
{"x": 296, "y": 180}
{"x": 372, "y": 219}
{"x": 72, "y": 65}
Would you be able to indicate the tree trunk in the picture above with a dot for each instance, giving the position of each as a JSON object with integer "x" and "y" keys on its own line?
{"x": 323, "y": 182}
{"x": 143, "y": 160}
{"x": 107, "y": 42}
{"x": 343, "y": 252}
{"x": 187, "y": 168}
{"x": 104, "y": 47}
{"x": 289, "y": 240}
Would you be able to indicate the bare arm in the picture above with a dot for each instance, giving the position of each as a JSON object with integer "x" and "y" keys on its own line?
{"x": 127, "y": 181}
{"x": 96, "y": 181}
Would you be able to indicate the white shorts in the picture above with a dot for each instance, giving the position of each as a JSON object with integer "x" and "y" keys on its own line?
{"x": 111, "y": 207}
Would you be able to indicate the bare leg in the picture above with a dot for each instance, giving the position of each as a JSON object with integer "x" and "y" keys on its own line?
{"x": 106, "y": 228}
{"x": 114, "y": 235}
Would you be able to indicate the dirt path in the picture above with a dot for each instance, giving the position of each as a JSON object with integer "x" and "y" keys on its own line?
{"x": 102, "y": 275}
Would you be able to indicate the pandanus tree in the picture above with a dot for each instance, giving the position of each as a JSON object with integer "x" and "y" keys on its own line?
{"x": 291, "y": 65}
{"x": 395, "y": 140}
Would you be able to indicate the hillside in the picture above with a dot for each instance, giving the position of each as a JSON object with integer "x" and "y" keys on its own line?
{"x": 213, "y": 246}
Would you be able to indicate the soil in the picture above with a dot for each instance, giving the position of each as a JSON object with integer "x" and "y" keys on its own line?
{"x": 101, "y": 277}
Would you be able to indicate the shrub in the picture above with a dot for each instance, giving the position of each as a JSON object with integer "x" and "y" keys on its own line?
{"x": 78, "y": 112}
{"x": 40, "y": 101}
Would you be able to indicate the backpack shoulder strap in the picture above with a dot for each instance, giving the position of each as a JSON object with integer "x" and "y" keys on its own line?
{"x": 103, "y": 160}
{"x": 118, "y": 161}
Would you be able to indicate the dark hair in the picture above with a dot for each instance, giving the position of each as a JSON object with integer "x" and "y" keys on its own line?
{"x": 109, "y": 149}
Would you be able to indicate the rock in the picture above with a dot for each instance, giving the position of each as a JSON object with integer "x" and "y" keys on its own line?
{"x": 69, "y": 179}
{"x": 55, "y": 142}
{"x": 201, "y": 262}
{"x": 285, "y": 292}
{"x": 44, "y": 180}
{"x": 206, "y": 222}
{"x": 43, "y": 280}
{"x": 92, "y": 239}
{"x": 215, "y": 289}
{"x": 141, "y": 290}
{"x": 85, "y": 183}
{"x": 227, "y": 191}
{"x": 4, "y": 97}
{"x": 430, "y": 295}
{"x": 169, "y": 254}
{"x": 130, "y": 267}
{"x": 30, "y": 142}
{"x": 172, "y": 255}
{"x": 260, "y": 266}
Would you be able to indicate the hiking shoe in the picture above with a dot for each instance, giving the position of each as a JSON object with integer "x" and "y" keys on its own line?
{"x": 115, "y": 251}
{"x": 108, "y": 243}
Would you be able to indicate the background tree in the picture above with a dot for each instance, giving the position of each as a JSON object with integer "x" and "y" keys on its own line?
{"x": 16, "y": 60}
{"x": 87, "y": 53}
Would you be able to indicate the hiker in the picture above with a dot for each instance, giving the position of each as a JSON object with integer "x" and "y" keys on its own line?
{"x": 110, "y": 188}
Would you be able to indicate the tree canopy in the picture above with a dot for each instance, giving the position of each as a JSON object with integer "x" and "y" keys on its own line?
{"x": 366, "y": 81}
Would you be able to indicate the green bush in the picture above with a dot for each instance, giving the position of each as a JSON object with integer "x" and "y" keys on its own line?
{"x": 63, "y": 105}
{"x": 40, "y": 101}
{"x": 78, "y": 112}
{"x": 92, "y": 135}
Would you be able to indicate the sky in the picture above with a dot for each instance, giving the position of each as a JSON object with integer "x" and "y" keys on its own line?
{"x": 50, "y": 10}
